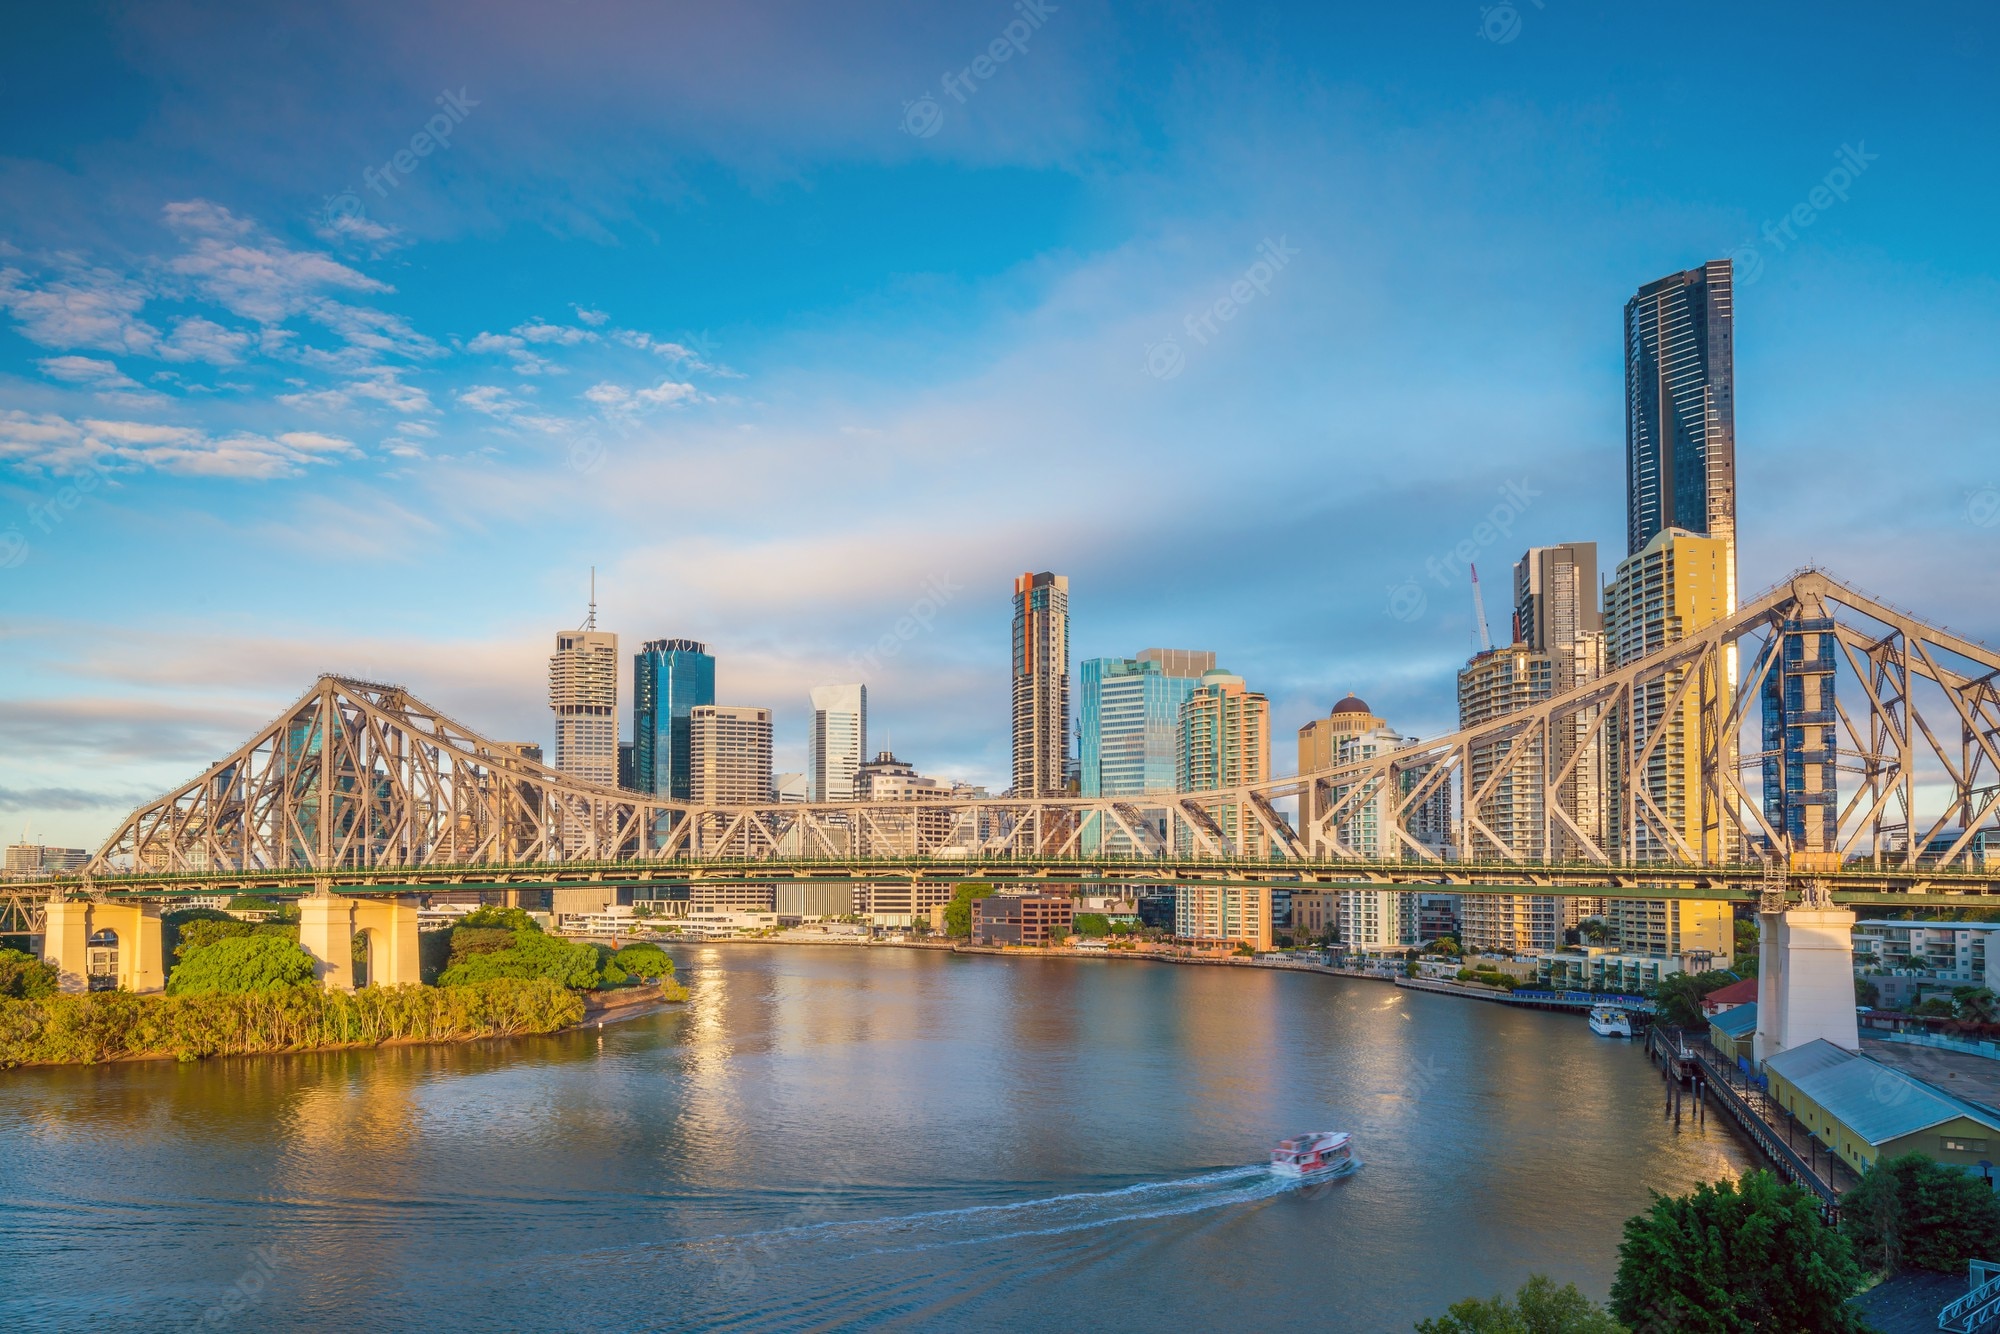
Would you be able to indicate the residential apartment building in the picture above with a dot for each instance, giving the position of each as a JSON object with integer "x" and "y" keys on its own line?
{"x": 1225, "y": 736}
{"x": 1680, "y": 412}
{"x": 1909, "y": 961}
{"x": 1226, "y": 915}
{"x": 1041, "y": 684}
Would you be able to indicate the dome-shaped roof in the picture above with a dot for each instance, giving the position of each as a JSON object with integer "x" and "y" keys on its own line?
{"x": 1352, "y": 705}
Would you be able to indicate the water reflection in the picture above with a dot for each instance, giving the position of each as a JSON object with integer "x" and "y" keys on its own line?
{"x": 824, "y": 1137}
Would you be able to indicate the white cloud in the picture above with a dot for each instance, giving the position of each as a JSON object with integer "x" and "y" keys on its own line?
{"x": 679, "y": 353}
{"x": 86, "y": 370}
{"x": 258, "y": 278}
{"x": 90, "y": 308}
{"x": 198, "y": 339}
{"x": 541, "y": 331}
{"x": 490, "y": 399}
{"x": 617, "y": 398}
{"x": 57, "y": 444}
{"x": 588, "y": 316}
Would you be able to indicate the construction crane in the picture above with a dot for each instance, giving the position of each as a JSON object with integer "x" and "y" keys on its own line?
{"x": 1479, "y": 613}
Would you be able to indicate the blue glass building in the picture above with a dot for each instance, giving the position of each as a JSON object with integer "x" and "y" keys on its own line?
{"x": 1801, "y": 787}
{"x": 670, "y": 677}
{"x": 1129, "y": 729}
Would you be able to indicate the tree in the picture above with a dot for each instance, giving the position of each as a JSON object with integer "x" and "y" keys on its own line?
{"x": 1866, "y": 992}
{"x": 1092, "y": 925}
{"x": 533, "y": 954}
{"x": 252, "y": 903}
{"x": 509, "y": 919}
{"x": 1975, "y": 1005}
{"x": 1678, "y": 996}
{"x": 958, "y": 912}
{"x": 645, "y": 960}
{"x": 1594, "y": 930}
{"x": 24, "y": 977}
{"x": 1914, "y": 1212}
{"x": 467, "y": 941}
{"x": 1735, "y": 1256}
{"x": 1540, "y": 1307}
{"x": 241, "y": 963}
{"x": 1747, "y": 936}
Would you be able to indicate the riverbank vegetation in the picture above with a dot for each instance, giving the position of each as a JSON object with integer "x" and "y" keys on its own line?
{"x": 88, "y": 1027}
{"x": 1731, "y": 1257}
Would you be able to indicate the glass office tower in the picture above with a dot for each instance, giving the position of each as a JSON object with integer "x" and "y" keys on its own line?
{"x": 670, "y": 677}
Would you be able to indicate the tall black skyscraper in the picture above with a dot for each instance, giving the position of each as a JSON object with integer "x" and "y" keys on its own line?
{"x": 1680, "y": 408}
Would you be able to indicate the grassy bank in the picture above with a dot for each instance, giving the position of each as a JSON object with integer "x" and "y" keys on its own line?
{"x": 81, "y": 1029}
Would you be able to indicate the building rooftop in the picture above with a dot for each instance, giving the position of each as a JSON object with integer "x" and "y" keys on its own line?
{"x": 1736, "y": 993}
{"x": 1875, "y": 1101}
{"x": 1352, "y": 705}
{"x": 1736, "y": 1021}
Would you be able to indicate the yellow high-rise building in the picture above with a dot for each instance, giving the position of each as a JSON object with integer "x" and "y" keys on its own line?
{"x": 1225, "y": 743}
{"x": 1679, "y": 583}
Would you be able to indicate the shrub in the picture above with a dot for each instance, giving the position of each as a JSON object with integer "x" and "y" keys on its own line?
{"x": 78, "y": 1028}
{"x": 241, "y": 963}
{"x": 1092, "y": 925}
{"x": 1543, "y": 1309}
{"x": 206, "y": 931}
{"x": 24, "y": 977}
{"x": 958, "y": 912}
{"x": 645, "y": 960}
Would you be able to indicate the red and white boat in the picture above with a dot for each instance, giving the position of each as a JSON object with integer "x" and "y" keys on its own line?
{"x": 1315, "y": 1157}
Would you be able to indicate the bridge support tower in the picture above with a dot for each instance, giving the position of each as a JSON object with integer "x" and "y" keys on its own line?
{"x": 1805, "y": 972}
{"x": 329, "y": 923}
{"x": 70, "y": 926}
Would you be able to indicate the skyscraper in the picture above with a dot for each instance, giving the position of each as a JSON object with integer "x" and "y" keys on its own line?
{"x": 1678, "y": 584}
{"x": 730, "y": 746}
{"x": 583, "y": 693}
{"x": 670, "y": 678}
{"x": 1225, "y": 735}
{"x": 1041, "y": 684}
{"x": 837, "y": 743}
{"x": 1129, "y": 719}
{"x": 1680, "y": 410}
{"x": 1509, "y": 821}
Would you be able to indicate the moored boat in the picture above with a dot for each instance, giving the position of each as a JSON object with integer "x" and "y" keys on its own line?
{"x": 1610, "y": 1021}
{"x": 1322, "y": 1154}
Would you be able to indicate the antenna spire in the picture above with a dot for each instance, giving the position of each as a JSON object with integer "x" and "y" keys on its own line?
{"x": 1479, "y": 612}
{"x": 590, "y": 621}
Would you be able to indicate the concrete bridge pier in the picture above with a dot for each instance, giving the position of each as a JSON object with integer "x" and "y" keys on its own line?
{"x": 136, "y": 928}
{"x": 329, "y": 923}
{"x": 1805, "y": 980}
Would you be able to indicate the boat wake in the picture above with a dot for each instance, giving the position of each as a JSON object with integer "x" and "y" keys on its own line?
{"x": 1048, "y": 1217}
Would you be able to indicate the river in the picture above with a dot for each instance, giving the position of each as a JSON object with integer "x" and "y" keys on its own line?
{"x": 828, "y": 1138}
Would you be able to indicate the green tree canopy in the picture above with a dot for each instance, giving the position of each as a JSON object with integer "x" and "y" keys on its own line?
{"x": 572, "y": 963}
{"x": 206, "y": 931}
{"x": 1092, "y": 925}
{"x": 1914, "y": 1212}
{"x": 467, "y": 941}
{"x": 958, "y": 912}
{"x": 1678, "y": 996}
{"x": 24, "y": 977}
{"x": 1735, "y": 1257}
{"x": 490, "y": 915}
{"x": 1540, "y": 1307}
{"x": 241, "y": 963}
{"x": 645, "y": 959}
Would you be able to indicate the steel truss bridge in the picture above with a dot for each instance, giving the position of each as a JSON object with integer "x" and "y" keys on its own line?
{"x": 363, "y": 788}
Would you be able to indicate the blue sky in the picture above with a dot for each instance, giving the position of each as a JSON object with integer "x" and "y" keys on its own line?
{"x": 748, "y": 308}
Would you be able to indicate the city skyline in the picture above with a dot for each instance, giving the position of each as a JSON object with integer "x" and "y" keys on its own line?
{"x": 756, "y": 316}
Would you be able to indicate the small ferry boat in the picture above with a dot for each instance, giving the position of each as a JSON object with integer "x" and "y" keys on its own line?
{"x": 1328, "y": 1153}
{"x": 1610, "y": 1021}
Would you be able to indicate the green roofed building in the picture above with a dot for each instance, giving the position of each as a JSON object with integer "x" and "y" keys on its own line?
{"x": 1864, "y": 1110}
